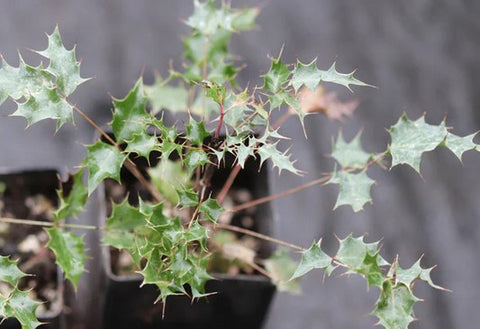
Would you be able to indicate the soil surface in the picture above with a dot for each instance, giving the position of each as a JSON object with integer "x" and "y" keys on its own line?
{"x": 31, "y": 196}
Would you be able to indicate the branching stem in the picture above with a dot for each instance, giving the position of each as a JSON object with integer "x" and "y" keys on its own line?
{"x": 48, "y": 224}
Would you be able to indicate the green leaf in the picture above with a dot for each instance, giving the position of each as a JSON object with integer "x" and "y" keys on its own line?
{"x": 410, "y": 139}
{"x": 169, "y": 177}
{"x": 245, "y": 19}
{"x": 9, "y": 271}
{"x": 395, "y": 306}
{"x": 211, "y": 209}
{"x": 69, "y": 252}
{"x": 196, "y": 132}
{"x": 19, "y": 305}
{"x": 310, "y": 76}
{"x": 408, "y": 276}
{"x": 187, "y": 198}
{"x": 350, "y": 155}
{"x": 130, "y": 115}
{"x": 161, "y": 96}
{"x": 22, "y": 81}
{"x": 72, "y": 202}
{"x": 277, "y": 75}
{"x": 354, "y": 189}
{"x": 45, "y": 104}
{"x": 458, "y": 145}
{"x": 63, "y": 64}
{"x": 214, "y": 91}
{"x": 195, "y": 159}
{"x": 280, "y": 160}
{"x": 312, "y": 258}
{"x": 243, "y": 152}
{"x": 103, "y": 161}
{"x": 143, "y": 144}
{"x": 352, "y": 251}
{"x": 121, "y": 225}
{"x": 305, "y": 74}
{"x": 281, "y": 268}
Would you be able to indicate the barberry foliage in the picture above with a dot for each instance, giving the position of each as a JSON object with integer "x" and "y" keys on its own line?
{"x": 169, "y": 234}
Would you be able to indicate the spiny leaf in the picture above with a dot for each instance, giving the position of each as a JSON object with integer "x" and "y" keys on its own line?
{"x": 349, "y": 155}
{"x": 243, "y": 152}
{"x": 394, "y": 306}
{"x": 352, "y": 251}
{"x": 310, "y": 76}
{"x": 408, "y": 276}
{"x": 410, "y": 139}
{"x": 280, "y": 160}
{"x": 143, "y": 144}
{"x": 281, "y": 268}
{"x": 354, "y": 189}
{"x": 22, "y": 81}
{"x": 312, "y": 258}
{"x": 458, "y": 145}
{"x": 277, "y": 75}
{"x": 69, "y": 252}
{"x": 211, "y": 209}
{"x": 121, "y": 224}
{"x": 45, "y": 104}
{"x": 73, "y": 202}
{"x": 187, "y": 198}
{"x": 196, "y": 132}
{"x": 195, "y": 159}
{"x": 130, "y": 116}
{"x": 208, "y": 19}
{"x": 214, "y": 91}
{"x": 103, "y": 161}
{"x": 19, "y": 305}
{"x": 9, "y": 271}
{"x": 161, "y": 96}
{"x": 169, "y": 177}
{"x": 63, "y": 64}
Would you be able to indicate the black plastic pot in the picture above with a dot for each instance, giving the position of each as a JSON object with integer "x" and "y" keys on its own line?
{"x": 18, "y": 187}
{"x": 241, "y": 301}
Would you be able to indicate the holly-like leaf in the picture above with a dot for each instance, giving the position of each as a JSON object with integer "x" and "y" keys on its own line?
{"x": 63, "y": 64}
{"x": 310, "y": 76}
{"x": 277, "y": 75}
{"x": 187, "y": 198}
{"x": 121, "y": 224}
{"x": 130, "y": 115}
{"x": 208, "y": 19}
{"x": 22, "y": 81}
{"x": 410, "y": 139}
{"x": 161, "y": 96}
{"x": 408, "y": 276}
{"x": 280, "y": 160}
{"x": 72, "y": 202}
{"x": 196, "y": 132}
{"x": 354, "y": 189}
{"x": 351, "y": 154}
{"x": 69, "y": 252}
{"x": 195, "y": 159}
{"x": 143, "y": 144}
{"x": 19, "y": 305}
{"x": 211, "y": 209}
{"x": 214, "y": 91}
{"x": 352, "y": 251}
{"x": 243, "y": 152}
{"x": 281, "y": 267}
{"x": 9, "y": 271}
{"x": 395, "y": 306}
{"x": 169, "y": 177}
{"x": 312, "y": 258}
{"x": 45, "y": 104}
{"x": 459, "y": 145}
{"x": 103, "y": 161}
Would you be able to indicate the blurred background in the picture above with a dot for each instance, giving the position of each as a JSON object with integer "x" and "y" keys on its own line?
{"x": 422, "y": 55}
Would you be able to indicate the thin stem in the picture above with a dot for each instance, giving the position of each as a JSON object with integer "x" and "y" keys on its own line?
{"x": 260, "y": 270}
{"x": 220, "y": 121}
{"x": 279, "y": 195}
{"x": 48, "y": 224}
{"x": 228, "y": 184}
{"x": 257, "y": 235}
